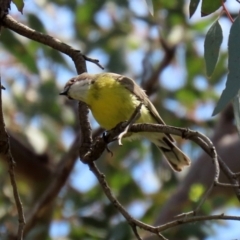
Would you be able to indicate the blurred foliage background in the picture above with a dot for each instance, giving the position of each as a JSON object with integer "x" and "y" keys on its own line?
{"x": 164, "y": 54}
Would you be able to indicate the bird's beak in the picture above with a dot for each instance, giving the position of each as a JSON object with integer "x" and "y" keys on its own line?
{"x": 64, "y": 92}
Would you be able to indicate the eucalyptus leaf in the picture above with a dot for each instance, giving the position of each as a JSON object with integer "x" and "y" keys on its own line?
{"x": 36, "y": 23}
{"x": 19, "y": 4}
{"x": 209, "y": 7}
{"x": 236, "y": 110}
{"x": 150, "y": 6}
{"x": 19, "y": 50}
{"x": 192, "y": 7}
{"x": 212, "y": 45}
{"x": 233, "y": 78}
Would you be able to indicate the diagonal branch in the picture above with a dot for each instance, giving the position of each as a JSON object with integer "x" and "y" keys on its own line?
{"x": 77, "y": 57}
{"x": 59, "y": 178}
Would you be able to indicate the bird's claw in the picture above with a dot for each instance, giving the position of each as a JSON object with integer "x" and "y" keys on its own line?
{"x": 104, "y": 136}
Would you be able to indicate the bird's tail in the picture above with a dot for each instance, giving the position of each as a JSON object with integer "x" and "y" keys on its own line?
{"x": 175, "y": 157}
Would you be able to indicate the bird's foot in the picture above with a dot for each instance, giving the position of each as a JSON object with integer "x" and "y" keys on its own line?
{"x": 104, "y": 136}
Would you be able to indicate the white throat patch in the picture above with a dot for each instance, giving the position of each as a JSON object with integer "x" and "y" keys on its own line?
{"x": 79, "y": 89}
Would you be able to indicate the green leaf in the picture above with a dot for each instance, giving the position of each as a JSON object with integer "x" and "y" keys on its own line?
{"x": 236, "y": 110}
{"x": 36, "y": 23}
{"x": 47, "y": 103}
{"x": 121, "y": 231}
{"x": 19, "y": 4}
{"x": 19, "y": 50}
{"x": 150, "y": 6}
{"x": 56, "y": 57}
{"x": 212, "y": 45}
{"x": 233, "y": 78}
{"x": 209, "y": 7}
{"x": 196, "y": 192}
{"x": 192, "y": 7}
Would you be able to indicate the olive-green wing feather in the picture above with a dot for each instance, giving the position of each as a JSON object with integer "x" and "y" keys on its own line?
{"x": 142, "y": 96}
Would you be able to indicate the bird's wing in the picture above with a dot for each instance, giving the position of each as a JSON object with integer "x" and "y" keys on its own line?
{"x": 142, "y": 96}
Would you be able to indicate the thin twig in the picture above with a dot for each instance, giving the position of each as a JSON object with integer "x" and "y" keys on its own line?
{"x": 184, "y": 215}
{"x": 169, "y": 52}
{"x": 227, "y": 185}
{"x": 197, "y": 137}
{"x": 161, "y": 236}
{"x": 213, "y": 155}
{"x": 5, "y": 150}
{"x": 89, "y": 151}
{"x": 237, "y": 174}
{"x": 196, "y": 219}
{"x": 134, "y": 228}
{"x": 21, "y": 218}
{"x": 50, "y": 41}
{"x": 158, "y": 229}
{"x": 96, "y": 61}
{"x": 231, "y": 177}
{"x": 115, "y": 202}
{"x": 59, "y": 178}
{"x": 227, "y": 12}
{"x": 204, "y": 197}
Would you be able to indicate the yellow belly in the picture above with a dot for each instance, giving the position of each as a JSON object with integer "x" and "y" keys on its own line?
{"x": 111, "y": 103}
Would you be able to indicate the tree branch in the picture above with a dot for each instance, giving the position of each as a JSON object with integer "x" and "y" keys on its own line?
{"x": 197, "y": 137}
{"x": 6, "y": 152}
{"x": 169, "y": 54}
{"x": 58, "y": 180}
{"x": 85, "y": 133}
{"x": 77, "y": 57}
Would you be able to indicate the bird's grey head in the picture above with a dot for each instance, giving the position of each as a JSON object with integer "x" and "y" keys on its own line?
{"x": 77, "y": 87}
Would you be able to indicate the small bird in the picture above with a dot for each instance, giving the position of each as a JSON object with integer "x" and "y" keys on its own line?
{"x": 112, "y": 98}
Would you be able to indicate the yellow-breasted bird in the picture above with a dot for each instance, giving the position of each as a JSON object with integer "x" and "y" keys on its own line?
{"x": 112, "y": 98}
